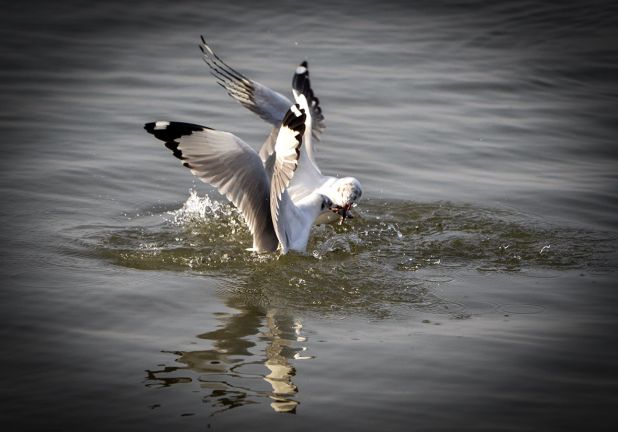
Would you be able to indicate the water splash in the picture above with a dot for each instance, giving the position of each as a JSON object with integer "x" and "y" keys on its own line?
{"x": 391, "y": 254}
{"x": 198, "y": 209}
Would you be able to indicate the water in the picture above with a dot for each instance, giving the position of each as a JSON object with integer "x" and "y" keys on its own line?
{"x": 475, "y": 288}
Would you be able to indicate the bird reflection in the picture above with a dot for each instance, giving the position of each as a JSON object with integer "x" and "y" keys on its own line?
{"x": 232, "y": 368}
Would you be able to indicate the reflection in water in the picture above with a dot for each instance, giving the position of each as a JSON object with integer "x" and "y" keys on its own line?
{"x": 233, "y": 369}
{"x": 281, "y": 373}
{"x": 393, "y": 258}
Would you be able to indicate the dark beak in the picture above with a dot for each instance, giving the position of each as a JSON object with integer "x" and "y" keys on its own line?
{"x": 344, "y": 212}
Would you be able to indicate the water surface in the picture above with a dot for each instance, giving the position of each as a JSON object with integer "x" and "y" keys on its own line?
{"x": 474, "y": 289}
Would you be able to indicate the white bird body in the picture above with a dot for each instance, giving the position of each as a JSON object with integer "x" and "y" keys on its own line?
{"x": 271, "y": 106}
{"x": 259, "y": 190}
{"x": 300, "y": 217}
{"x": 279, "y": 190}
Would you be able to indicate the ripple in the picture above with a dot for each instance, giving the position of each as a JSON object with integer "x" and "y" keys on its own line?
{"x": 521, "y": 309}
{"x": 392, "y": 253}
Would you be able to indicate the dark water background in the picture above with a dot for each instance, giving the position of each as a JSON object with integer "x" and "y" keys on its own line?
{"x": 475, "y": 289}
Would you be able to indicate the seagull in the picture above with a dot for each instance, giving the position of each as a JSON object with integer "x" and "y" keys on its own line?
{"x": 259, "y": 189}
{"x": 272, "y": 106}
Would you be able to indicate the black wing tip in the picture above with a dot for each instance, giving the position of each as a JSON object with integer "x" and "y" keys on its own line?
{"x": 301, "y": 78}
{"x": 295, "y": 119}
{"x": 302, "y": 85}
{"x": 203, "y": 45}
{"x": 173, "y": 146}
{"x": 302, "y": 68}
{"x": 301, "y": 82}
{"x": 170, "y": 132}
{"x": 150, "y": 127}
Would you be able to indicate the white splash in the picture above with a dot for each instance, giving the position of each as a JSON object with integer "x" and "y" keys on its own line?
{"x": 197, "y": 208}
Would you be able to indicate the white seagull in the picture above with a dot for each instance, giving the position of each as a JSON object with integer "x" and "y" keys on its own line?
{"x": 271, "y": 106}
{"x": 259, "y": 190}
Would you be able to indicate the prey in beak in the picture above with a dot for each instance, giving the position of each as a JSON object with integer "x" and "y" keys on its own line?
{"x": 343, "y": 211}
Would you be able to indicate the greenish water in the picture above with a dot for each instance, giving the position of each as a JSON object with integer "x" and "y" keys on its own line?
{"x": 387, "y": 241}
{"x": 475, "y": 289}
{"x": 392, "y": 255}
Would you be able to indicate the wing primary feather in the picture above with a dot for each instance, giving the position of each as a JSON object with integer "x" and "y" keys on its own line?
{"x": 287, "y": 150}
{"x": 261, "y": 100}
{"x": 214, "y": 58}
{"x": 302, "y": 84}
{"x": 226, "y": 162}
{"x": 227, "y": 79}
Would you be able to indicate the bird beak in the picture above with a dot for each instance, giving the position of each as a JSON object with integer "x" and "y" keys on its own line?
{"x": 345, "y": 213}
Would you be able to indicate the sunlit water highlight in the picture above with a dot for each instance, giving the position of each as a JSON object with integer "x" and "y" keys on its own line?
{"x": 389, "y": 255}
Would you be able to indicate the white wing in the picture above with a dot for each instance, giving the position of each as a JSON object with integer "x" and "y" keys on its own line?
{"x": 268, "y": 104}
{"x": 229, "y": 164}
{"x": 268, "y": 147}
{"x": 287, "y": 153}
{"x": 308, "y": 177}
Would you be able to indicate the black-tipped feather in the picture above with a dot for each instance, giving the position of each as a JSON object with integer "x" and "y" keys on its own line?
{"x": 302, "y": 84}
{"x": 226, "y": 162}
{"x": 286, "y": 162}
{"x": 171, "y": 131}
{"x": 294, "y": 121}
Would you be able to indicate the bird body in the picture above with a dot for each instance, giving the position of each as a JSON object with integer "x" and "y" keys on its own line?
{"x": 279, "y": 190}
{"x": 259, "y": 192}
{"x": 270, "y": 106}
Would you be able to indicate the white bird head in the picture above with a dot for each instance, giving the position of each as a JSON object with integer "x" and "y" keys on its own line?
{"x": 347, "y": 192}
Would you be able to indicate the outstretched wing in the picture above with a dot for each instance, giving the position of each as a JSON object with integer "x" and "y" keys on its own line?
{"x": 302, "y": 85}
{"x": 308, "y": 177}
{"x": 229, "y": 164}
{"x": 287, "y": 154}
{"x": 268, "y": 104}
{"x": 268, "y": 148}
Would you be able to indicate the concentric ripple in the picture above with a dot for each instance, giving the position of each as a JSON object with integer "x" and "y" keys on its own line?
{"x": 391, "y": 253}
